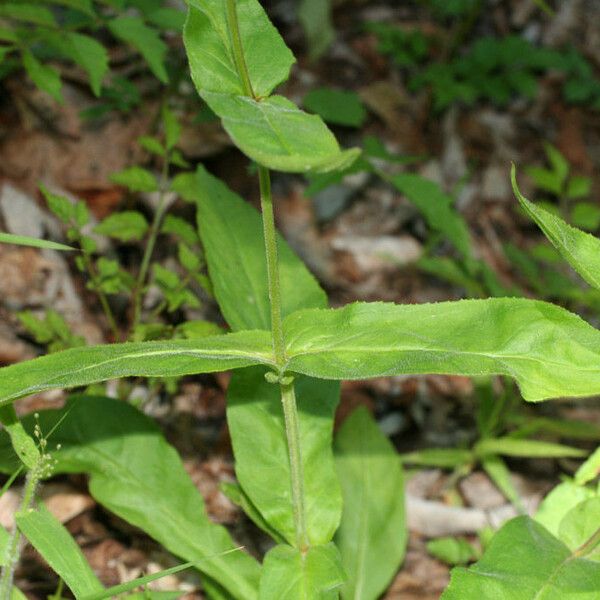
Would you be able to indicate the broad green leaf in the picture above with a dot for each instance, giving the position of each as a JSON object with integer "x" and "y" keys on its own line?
{"x": 559, "y": 502}
{"x": 145, "y": 40}
{"x": 210, "y": 54}
{"x": 46, "y": 78}
{"x": 437, "y": 208}
{"x": 270, "y": 129}
{"x": 23, "y": 240}
{"x": 29, "y": 13}
{"x": 257, "y": 427}
{"x": 580, "y": 524}
{"x": 137, "y": 475}
{"x": 372, "y": 536}
{"x": 277, "y": 134}
{"x": 581, "y": 250}
{"x": 83, "y": 366}
{"x": 125, "y": 226}
{"x": 336, "y": 106}
{"x": 231, "y": 232}
{"x": 508, "y": 446}
{"x": 294, "y": 575}
{"x": 453, "y": 551}
{"x": 548, "y": 350}
{"x": 525, "y": 562}
{"x": 135, "y": 179}
{"x": 590, "y": 469}
{"x": 52, "y": 540}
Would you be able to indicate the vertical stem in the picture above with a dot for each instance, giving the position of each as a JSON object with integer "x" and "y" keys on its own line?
{"x": 12, "y": 552}
{"x": 290, "y": 412}
{"x": 288, "y": 396}
{"x": 268, "y": 219}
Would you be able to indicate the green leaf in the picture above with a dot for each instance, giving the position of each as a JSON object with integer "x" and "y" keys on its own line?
{"x": 525, "y": 562}
{"x": 270, "y": 130}
{"x": 315, "y": 17}
{"x": 172, "y": 128}
{"x": 277, "y": 134}
{"x": 138, "y": 476}
{"x": 145, "y": 40}
{"x": 231, "y": 232}
{"x": 559, "y": 163}
{"x": 336, "y": 106}
{"x": 452, "y": 551}
{"x": 296, "y": 575}
{"x": 580, "y": 524}
{"x": 52, "y": 540}
{"x": 90, "y": 55}
{"x": 590, "y": 469}
{"x": 83, "y": 366}
{"x": 257, "y": 426}
{"x": 436, "y": 207}
{"x": 210, "y": 54}
{"x": 21, "y": 442}
{"x": 579, "y": 187}
{"x": 445, "y": 458}
{"x": 372, "y": 535}
{"x": 181, "y": 228}
{"x": 29, "y": 13}
{"x": 135, "y": 179}
{"x": 559, "y": 502}
{"x": 151, "y": 144}
{"x": 125, "y": 226}
{"x": 498, "y": 472}
{"x": 548, "y": 350}
{"x": 60, "y": 206}
{"x": 44, "y": 77}
{"x": 167, "y": 18}
{"x": 508, "y": 446}
{"x": 586, "y": 215}
{"x": 23, "y": 240}
{"x": 580, "y": 249}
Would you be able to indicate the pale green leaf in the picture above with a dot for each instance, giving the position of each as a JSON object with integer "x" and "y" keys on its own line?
{"x": 548, "y": 350}
{"x": 52, "y": 540}
{"x": 4, "y": 541}
{"x": 138, "y": 476}
{"x": 336, "y": 106}
{"x": 590, "y": 469}
{"x": 372, "y": 535}
{"x": 498, "y": 472}
{"x": 580, "y": 524}
{"x": 453, "y": 551}
{"x": 23, "y": 240}
{"x": 257, "y": 426}
{"x": 525, "y": 562}
{"x": 136, "y": 179}
{"x": 125, "y": 226}
{"x": 508, "y": 446}
{"x": 295, "y": 575}
{"x": 277, "y": 134}
{"x": 145, "y": 40}
{"x": 83, "y": 366}
{"x": 234, "y": 250}
{"x": 43, "y": 76}
{"x": 559, "y": 502}
{"x": 209, "y": 48}
{"x": 580, "y": 249}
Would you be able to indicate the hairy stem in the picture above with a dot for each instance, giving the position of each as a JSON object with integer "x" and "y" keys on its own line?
{"x": 13, "y": 549}
{"x": 288, "y": 396}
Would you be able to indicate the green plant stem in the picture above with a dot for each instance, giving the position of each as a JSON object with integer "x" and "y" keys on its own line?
{"x": 288, "y": 396}
{"x": 13, "y": 551}
{"x": 150, "y": 244}
{"x": 112, "y": 323}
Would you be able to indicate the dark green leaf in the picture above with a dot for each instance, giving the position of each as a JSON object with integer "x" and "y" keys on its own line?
{"x": 336, "y": 107}
{"x": 46, "y": 78}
